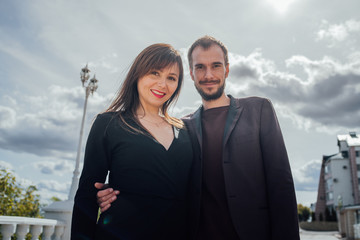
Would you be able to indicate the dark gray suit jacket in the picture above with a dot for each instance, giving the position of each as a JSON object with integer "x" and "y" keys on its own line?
{"x": 258, "y": 181}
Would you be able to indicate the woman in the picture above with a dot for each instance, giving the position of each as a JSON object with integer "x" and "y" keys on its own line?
{"x": 147, "y": 153}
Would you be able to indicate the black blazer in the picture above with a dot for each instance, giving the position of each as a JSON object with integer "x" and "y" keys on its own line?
{"x": 258, "y": 179}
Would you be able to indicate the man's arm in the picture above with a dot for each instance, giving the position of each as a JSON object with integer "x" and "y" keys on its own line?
{"x": 105, "y": 196}
{"x": 280, "y": 185}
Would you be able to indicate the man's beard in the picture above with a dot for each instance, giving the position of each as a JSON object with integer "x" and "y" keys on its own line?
{"x": 212, "y": 96}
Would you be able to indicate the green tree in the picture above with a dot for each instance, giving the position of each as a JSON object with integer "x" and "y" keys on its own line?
{"x": 327, "y": 215}
{"x": 303, "y": 212}
{"x": 55, "y": 199}
{"x": 330, "y": 215}
{"x": 313, "y": 216}
{"x": 334, "y": 215}
{"x": 16, "y": 200}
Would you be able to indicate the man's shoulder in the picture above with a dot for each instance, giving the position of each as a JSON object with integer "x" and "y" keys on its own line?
{"x": 191, "y": 115}
{"x": 187, "y": 117}
{"x": 251, "y": 100}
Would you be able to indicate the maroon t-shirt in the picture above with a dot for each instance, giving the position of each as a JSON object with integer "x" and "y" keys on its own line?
{"x": 215, "y": 219}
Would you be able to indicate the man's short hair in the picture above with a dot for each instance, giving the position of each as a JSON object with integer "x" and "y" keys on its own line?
{"x": 206, "y": 42}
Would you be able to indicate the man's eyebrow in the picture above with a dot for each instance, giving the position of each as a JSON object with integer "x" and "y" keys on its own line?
{"x": 217, "y": 63}
{"x": 199, "y": 64}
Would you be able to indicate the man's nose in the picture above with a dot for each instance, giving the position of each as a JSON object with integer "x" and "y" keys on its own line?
{"x": 208, "y": 74}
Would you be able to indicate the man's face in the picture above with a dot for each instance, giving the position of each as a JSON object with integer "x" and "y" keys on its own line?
{"x": 208, "y": 71}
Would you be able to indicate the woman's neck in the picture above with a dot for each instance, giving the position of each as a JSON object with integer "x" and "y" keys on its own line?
{"x": 148, "y": 113}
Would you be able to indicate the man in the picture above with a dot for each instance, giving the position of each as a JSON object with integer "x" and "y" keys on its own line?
{"x": 241, "y": 182}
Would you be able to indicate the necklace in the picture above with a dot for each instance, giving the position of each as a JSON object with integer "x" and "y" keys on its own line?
{"x": 158, "y": 124}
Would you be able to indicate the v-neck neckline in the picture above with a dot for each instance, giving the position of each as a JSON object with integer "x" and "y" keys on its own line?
{"x": 175, "y": 135}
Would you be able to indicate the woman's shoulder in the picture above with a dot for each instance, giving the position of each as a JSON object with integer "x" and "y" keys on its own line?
{"x": 115, "y": 120}
{"x": 105, "y": 118}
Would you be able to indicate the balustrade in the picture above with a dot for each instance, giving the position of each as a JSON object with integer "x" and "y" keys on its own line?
{"x": 21, "y": 226}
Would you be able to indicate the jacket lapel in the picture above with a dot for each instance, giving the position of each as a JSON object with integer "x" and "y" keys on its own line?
{"x": 195, "y": 121}
{"x": 235, "y": 110}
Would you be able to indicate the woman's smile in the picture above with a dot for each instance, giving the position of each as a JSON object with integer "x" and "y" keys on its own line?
{"x": 158, "y": 93}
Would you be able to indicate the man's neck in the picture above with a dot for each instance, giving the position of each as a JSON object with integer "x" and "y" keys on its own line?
{"x": 220, "y": 102}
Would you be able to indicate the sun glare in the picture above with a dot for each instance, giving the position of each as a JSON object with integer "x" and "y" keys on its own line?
{"x": 280, "y": 6}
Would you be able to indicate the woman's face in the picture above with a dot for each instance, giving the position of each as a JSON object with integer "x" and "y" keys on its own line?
{"x": 156, "y": 87}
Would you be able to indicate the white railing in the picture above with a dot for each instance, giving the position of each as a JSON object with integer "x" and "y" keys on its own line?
{"x": 20, "y": 226}
{"x": 356, "y": 231}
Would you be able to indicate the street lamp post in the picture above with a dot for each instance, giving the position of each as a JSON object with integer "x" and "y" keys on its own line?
{"x": 90, "y": 88}
{"x": 62, "y": 210}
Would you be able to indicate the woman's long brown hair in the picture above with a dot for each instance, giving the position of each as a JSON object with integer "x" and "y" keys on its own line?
{"x": 154, "y": 57}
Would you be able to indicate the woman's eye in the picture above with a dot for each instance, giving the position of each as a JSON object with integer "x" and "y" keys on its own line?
{"x": 155, "y": 73}
{"x": 172, "y": 78}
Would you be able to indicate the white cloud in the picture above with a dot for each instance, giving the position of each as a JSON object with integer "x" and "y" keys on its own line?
{"x": 327, "y": 98}
{"x": 45, "y": 124}
{"x": 306, "y": 198}
{"x": 57, "y": 167}
{"x": 106, "y": 62}
{"x": 281, "y": 5}
{"x": 306, "y": 178}
{"x": 7, "y": 117}
{"x": 6, "y": 165}
{"x": 336, "y": 33}
{"x": 180, "y": 112}
{"x": 50, "y": 188}
{"x": 54, "y": 186}
{"x": 46, "y": 195}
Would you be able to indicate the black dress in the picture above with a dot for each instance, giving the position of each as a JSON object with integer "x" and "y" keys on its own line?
{"x": 152, "y": 181}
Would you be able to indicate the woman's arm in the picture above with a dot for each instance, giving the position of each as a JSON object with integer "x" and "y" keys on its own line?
{"x": 95, "y": 169}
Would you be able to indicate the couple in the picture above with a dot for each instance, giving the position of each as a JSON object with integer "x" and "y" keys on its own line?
{"x": 221, "y": 173}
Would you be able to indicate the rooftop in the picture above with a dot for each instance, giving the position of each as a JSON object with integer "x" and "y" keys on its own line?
{"x": 352, "y": 139}
{"x": 337, "y": 156}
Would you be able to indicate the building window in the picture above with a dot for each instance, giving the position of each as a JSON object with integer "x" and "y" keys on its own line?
{"x": 357, "y": 153}
{"x": 353, "y": 134}
{"x": 328, "y": 184}
{"x": 358, "y": 167}
{"x": 345, "y": 154}
{"x": 327, "y": 169}
{"x": 329, "y": 196}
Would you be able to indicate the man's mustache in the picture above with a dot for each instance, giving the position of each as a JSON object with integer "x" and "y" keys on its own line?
{"x": 209, "y": 81}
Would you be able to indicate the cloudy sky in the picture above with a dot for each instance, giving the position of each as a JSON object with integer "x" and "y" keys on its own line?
{"x": 303, "y": 55}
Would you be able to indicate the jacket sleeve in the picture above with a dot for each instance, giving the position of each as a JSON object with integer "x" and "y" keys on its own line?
{"x": 279, "y": 181}
{"x": 95, "y": 169}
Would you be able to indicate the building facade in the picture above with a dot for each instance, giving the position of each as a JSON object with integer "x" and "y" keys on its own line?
{"x": 339, "y": 178}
